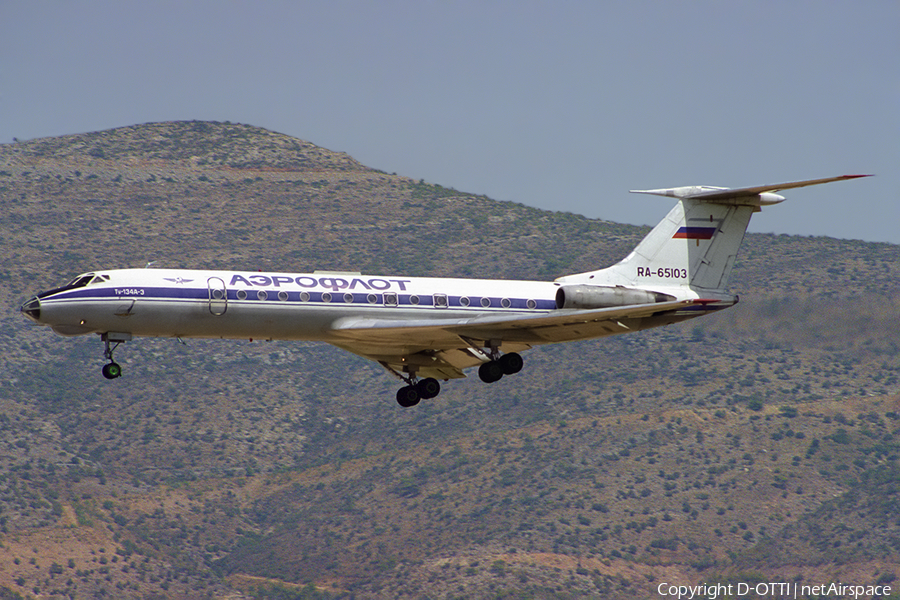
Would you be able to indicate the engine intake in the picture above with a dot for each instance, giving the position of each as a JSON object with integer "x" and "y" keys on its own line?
{"x": 595, "y": 296}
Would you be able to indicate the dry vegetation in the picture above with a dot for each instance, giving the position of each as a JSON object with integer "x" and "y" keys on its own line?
{"x": 759, "y": 442}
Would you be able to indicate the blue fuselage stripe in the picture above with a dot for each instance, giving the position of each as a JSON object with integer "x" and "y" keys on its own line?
{"x": 165, "y": 294}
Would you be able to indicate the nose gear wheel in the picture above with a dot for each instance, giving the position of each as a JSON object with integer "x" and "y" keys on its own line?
{"x": 112, "y": 370}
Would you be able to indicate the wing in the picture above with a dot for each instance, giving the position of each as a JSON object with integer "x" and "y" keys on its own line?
{"x": 442, "y": 348}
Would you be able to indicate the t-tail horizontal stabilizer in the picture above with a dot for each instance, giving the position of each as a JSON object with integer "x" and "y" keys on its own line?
{"x": 763, "y": 195}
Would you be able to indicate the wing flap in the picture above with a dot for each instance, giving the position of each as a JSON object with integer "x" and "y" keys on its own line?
{"x": 444, "y": 364}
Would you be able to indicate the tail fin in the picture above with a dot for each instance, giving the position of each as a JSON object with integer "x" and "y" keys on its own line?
{"x": 697, "y": 243}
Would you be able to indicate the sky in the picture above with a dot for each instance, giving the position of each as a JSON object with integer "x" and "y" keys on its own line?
{"x": 559, "y": 105}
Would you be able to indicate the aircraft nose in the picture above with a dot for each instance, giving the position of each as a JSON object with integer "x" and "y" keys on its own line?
{"x": 32, "y": 309}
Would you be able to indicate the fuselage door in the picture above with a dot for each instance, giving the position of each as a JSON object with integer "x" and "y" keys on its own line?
{"x": 218, "y": 296}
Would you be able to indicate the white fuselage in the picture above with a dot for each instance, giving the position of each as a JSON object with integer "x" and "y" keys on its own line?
{"x": 285, "y": 306}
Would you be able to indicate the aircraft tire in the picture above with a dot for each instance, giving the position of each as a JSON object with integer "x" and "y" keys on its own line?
{"x": 408, "y": 396}
{"x": 511, "y": 363}
{"x": 112, "y": 370}
{"x": 490, "y": 372}
{"x": 428, "y": 388}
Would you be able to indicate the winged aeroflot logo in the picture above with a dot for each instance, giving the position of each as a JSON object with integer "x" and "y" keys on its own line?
{"x": 178, "y": 279}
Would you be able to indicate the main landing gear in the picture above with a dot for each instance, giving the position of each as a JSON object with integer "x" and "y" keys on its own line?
{"x": 496, "y": 368}
{"x": 417, "y": 390}
{"x": 112, "y": 370}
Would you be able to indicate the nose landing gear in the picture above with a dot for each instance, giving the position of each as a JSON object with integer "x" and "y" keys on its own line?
{"x": 112, "y": 369}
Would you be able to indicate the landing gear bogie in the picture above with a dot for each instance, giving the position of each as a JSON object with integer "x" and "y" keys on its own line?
{"x": 494, "y": 370}
{"x": 423, "y": 389}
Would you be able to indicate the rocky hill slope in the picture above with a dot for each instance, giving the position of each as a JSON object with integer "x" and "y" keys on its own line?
{"x": 761, "y": 442}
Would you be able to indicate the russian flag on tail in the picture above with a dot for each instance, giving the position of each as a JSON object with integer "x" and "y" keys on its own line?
{"x": 694, "y": 233}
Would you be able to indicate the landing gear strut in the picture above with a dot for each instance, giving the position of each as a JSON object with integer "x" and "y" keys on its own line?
{"x": 112, "y": 370}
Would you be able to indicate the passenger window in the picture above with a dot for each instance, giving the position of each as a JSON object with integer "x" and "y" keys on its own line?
{"x": 390, "y": 298}
{"x": 440, "y": 300}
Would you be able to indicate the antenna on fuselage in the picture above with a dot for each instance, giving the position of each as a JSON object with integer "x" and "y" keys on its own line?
{"x": 150, "y": 264}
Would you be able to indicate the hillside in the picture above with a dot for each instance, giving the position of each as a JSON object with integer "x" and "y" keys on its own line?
{"x": 763, "y": 440}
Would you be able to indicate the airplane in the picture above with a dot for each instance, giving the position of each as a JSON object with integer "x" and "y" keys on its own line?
{"x": 424, "y": 329}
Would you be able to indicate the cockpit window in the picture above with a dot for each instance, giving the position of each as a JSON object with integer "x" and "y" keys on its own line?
{"x": 86, "y": 279}
{"x": 80, "y": 281}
